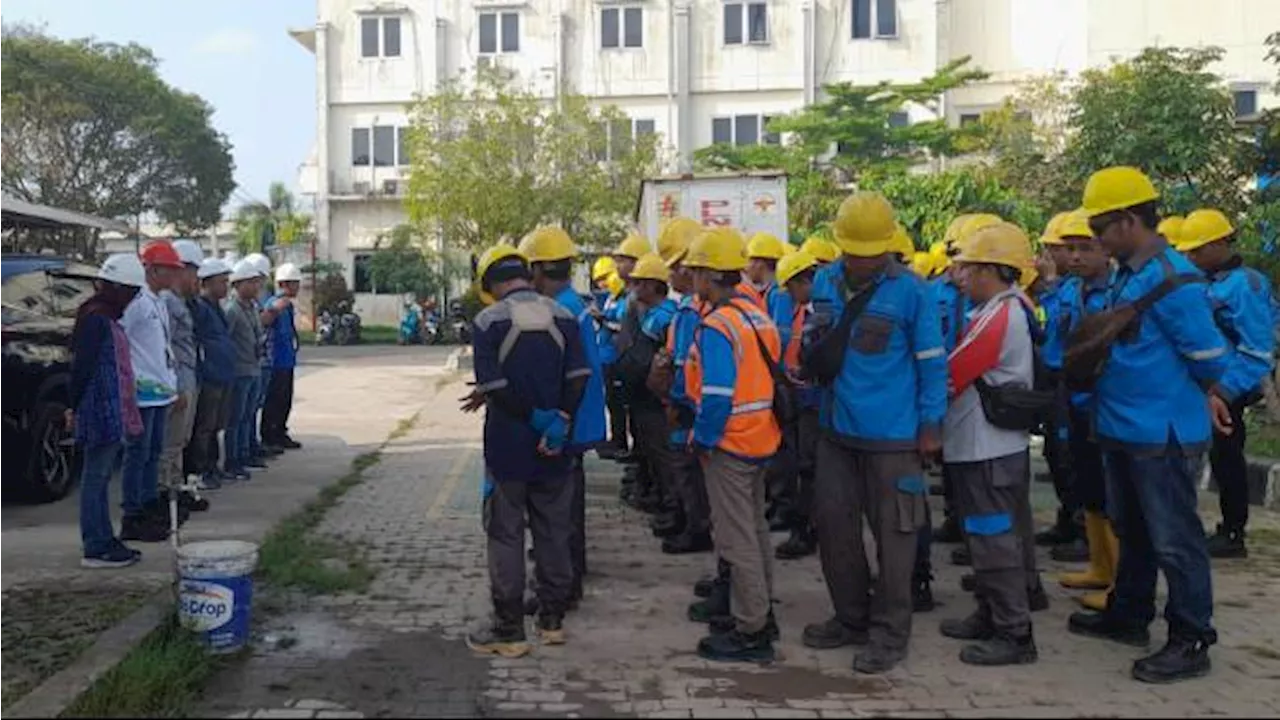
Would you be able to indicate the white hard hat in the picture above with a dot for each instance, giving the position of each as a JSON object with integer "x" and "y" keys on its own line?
{"x": 212, "y": 267}
{"x": 189, "y": 252}
{"x": 123, "y": 269}
{"x": 244, "y": 270}
{"x": 288, "y": 272}
{"x": 260, "y": 261}
{"x": 230, "y": 257}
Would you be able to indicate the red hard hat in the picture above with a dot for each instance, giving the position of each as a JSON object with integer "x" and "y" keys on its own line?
{"x": 161, "y": 254}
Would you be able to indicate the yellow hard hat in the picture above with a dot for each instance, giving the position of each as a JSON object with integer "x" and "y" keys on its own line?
{"x": 789, "y": 249}
{"x": 547, "y": 244}
{"x": 901, "y": 243}
{"x": 615, "y": 283}
{"x": 1052, "y": 234}
{"x": 1002, "y": 243}
{"x": 941, "y": 260}
{"x": 922, "y": 264}
{"x": 633, "y": 247}
{"x": 674, "y": 238}
{"x": 953, "y": 228}
{"x": 1117, "y": 188}
{"x": 721, "y": 248}
{"x": 490, "y": 258}
{"x": 820, "y": 249}
{"x": 766, "y": 246}
{"x": 864, "y": 224}
{"x": 651, "y": 267}
{"x": 1076, "y": 225}
{"x": 794, "y": 264}
{"x": 971, "y": 225}
{"x": 1202, "y": 227}
{"x": 602, "y": 267}
{"x": 1171, "y": 228}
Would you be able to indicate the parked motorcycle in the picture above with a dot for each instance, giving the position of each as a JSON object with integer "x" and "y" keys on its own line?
{"x": 431, "y": 334}
{"x": 347, "y": 331}
{"x": 410, "y": 326}
{"x": 324, "y": 328}
{"x": 459, "y": 326}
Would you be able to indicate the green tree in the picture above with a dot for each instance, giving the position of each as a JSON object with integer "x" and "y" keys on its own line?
{"x": 926, "y": 203}
{"x": 277, "y": 220}
{"x": 490, "y": 161}
{"x": 90, "y": 126}
{"x": 400, "y": 264}
{"x": 1026, "y": 140}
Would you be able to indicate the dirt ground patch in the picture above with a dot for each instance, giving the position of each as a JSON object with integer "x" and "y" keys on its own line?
{"x": 45, "y": 628}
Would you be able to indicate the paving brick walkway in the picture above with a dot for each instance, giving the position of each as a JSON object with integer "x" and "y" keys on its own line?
{"x": 398, "y": 649}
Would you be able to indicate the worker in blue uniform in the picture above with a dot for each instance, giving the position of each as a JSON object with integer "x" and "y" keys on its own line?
{"x": 1241, "y": 300}
{"x": 1159, "y": 394}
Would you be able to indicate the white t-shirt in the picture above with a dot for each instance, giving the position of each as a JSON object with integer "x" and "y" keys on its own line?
{"x": 146, "y": 324}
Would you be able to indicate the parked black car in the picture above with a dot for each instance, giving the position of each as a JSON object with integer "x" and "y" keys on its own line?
{"x": 40, "y": 297}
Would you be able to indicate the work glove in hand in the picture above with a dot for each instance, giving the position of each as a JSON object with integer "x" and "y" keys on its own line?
{"x": 553, "y": 425}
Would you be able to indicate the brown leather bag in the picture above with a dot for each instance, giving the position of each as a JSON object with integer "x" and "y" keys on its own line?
{"x": 1089, "y": 344}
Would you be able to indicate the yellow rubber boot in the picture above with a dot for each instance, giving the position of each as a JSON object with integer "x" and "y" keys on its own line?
{"x": 1098, "y": 600}
{"x": 1098, "y": 576}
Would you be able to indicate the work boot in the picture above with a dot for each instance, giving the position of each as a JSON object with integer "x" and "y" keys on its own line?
{"x": 800, "y": 544}
{"x": 716, "y": 604}
{"x": 159, "y": 510}
{"x": 505, "y": 638}
{"x": 551, "y": 629}
{"x": 193, "y": 503}
{"x": 142, "y": 528}
{"x": 1002, "y": 649}
{"x": 1037, "y": 598}
{"x": 1227, "y": 543}
{"x": 1105, "y": 626}
{"x": 1181, "y": 658}
{"x": 968, "y": 582}
{"x": 921, "y": 596}
{"x": 685, "y": 543}
{"x": 626, "y": 457}
{"x": 726, "y": 623}
{"x": 977, "y": 626}
{"x": 948, "y": 531}
{"x": 1103, "y": 556}
{"x": 961, "y": 557}
{"x": 1075, "y": 551}
{"x": 648, "y": 502}
{"x": 704, "y": 586}
{"x": 1060, "y": 533}
{"x": 736, "y": 646}
{"x": 832, "y": 634}
{"x": 289, "y": 443}
{"x": 666, "y": 524}
{"x": 877, "y": 659}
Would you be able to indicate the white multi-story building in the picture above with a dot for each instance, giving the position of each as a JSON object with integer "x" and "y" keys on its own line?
{"x": 704, "y": 71}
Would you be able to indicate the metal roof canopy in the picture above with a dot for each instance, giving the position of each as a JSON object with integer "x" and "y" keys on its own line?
{"x": 22, "y": 214}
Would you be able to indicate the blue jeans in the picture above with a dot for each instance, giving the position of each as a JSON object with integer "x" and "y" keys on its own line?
{"x": 238, "y": 436}
{"x": 141, "y": 474}
{"x": 1151, "y": 501}
{"x": 259, "y": 399}
{"x": 98, "y": 464}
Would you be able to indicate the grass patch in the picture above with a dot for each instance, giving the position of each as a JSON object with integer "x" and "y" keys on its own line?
{"x": 369, "y": 335}
{"x": 293, "y": 556}
{"x": 1263, "y": 439}
{"x": 158, "y": 678}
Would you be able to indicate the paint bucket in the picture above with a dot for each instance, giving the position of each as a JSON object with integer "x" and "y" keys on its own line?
{"x": 215, "y": 591}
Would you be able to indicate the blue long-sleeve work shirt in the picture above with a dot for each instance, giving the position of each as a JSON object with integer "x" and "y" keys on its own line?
{"x": 1241, "y": 302}
{"x": 1076, "y": 300}
{"x": 615, "y": 310}
{"x": 893, "y": 383}
{"x": 1053, "y": 349}
{"x": 588, "y": 421}
{"x": 1151, "y": 390}
{"x": 719, "y": 377}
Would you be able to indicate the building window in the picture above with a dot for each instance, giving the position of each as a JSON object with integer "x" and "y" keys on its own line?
{"x": 1246, "y": 102}
{"x": 746, "y": 22}
{"x": 619, "y": 137}
{"x": 363, "y": 283}
{"x": 743, "y": 130}
{"x": 899, "y": 119}
{"x": 360, "y": 146}
{"x": 499, "y": 32}
{"x": 875, "y": 18}
{"x": 384, "y": 146}
{"x": 402, "y": 146}
{"x": 621, "y": 27}
{"x": 379, "y": 37}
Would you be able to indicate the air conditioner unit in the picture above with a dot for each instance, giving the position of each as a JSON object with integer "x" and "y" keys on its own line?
{"x": 360, "y": 187}
{"x": 392, "y": 187}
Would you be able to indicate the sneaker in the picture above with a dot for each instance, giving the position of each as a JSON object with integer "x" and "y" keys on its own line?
{"x": 1227, "y": 544}
{"x": 977, "y": 626}
{"x": 1180, "y": 659}
{"x": 272, "y": 450}
{"x": 832, "y": 634}
{"x": 256, "y": 463}
{"x": 921, "y": 597}
{"x": 240, "y": 475}
{"x": 551, "y": 630}
{"x": 1001, "y": 650}
{"x": 504, "y": 639}
{"x": 1101, "y": 625}
{"x": 117, "y": 557}
{"x": 142, "y": 529}
{"x": 210, "y": 481}
{"x": 877, "y": 659}
{"x": 685, "y": 543}
{"x": 735, "y": 646}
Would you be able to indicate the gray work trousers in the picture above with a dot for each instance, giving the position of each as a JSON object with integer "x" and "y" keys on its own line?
{"x": 994, "y": 502}
{"x": 691, "y": 487}
{"x": 178, "y": 428}
{"x": 888, "y": 489}
{"x": 212, "y": 410}
{"x": 735, "y": 488}
{"x": 653, "y": 445}
{"x": 545, "y": 507}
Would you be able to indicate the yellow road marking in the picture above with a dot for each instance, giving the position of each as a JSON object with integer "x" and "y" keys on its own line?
{"x": 451, "y": 481}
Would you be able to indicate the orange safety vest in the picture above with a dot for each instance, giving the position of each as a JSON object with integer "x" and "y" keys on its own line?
{"x": 752, "y": 431}
{"x": 791, "y": 359}
{"x": 757, "y": 298}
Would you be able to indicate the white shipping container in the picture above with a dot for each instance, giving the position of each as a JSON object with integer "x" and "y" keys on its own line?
{"x": 752, "y": 202}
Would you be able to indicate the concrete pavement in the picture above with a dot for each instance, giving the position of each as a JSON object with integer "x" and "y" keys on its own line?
{"x": 397, "y": 649}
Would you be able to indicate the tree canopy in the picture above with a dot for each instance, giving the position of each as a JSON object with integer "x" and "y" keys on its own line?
{"x": 492, "y": 161}
{"x": 274, "y": 222}
{"x": 90, "y": 126}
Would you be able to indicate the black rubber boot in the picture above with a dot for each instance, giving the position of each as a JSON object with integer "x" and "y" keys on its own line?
{"x": 1075, "y": 551}
{"x": 704, "y": 586}
{"x": 832, "y": 634}
{"x": 734, "y": 646}
{"x": 999, "y": 650}
{"x": 1101, "y": 625}
{"x": 143, "y": 528}
{"x": 1227, "y": 543}
{"x": 977, "y": 626}
{"x": 1181, "y": 658}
